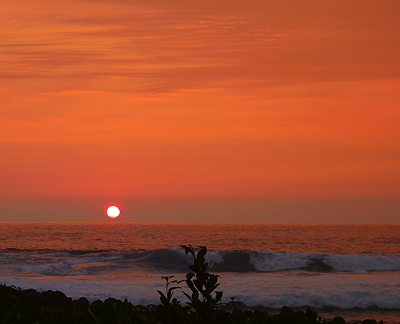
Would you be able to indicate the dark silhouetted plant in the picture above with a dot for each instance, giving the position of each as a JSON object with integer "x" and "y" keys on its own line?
{"x": 167, "y": 299}
{"x": 203, "y": 297}
{"x": 171, "y": 311}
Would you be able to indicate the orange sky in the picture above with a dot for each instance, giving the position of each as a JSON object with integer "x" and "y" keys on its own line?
{"x": 199, "y": 98}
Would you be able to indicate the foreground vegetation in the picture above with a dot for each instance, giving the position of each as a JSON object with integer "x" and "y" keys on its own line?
{"x": 203, "y": 305}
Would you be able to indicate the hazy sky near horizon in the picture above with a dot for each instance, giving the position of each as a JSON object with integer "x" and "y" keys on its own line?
{"x": 173, "y": 98}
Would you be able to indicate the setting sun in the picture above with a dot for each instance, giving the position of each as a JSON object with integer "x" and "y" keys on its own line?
{"x": 113, "y": 211}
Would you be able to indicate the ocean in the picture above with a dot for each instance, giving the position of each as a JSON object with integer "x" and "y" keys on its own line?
{"x": 348, "y": 270}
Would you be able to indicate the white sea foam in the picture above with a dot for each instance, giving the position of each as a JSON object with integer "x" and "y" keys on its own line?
{"x": 69, "y": 266}
{"x": 276, "y": 261}
{"x": 351, "y": 262}
{"x": 319, "y": 301}
{"x": 62, "y": 268}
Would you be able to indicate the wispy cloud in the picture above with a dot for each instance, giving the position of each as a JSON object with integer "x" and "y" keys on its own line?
{"x": 171, "y": 48}
{"x": 260, "y": 96}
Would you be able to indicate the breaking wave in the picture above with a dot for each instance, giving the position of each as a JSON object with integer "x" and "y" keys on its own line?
{"x": 77, "y": 263}
{"x": 270, "y": 261}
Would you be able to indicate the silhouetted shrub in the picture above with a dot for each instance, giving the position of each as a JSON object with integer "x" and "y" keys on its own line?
{"x": 203, "y": 297}
{"x": 170, "y": 311}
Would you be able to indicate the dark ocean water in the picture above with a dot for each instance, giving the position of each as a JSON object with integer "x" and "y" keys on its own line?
{"x": 350, "y": 269}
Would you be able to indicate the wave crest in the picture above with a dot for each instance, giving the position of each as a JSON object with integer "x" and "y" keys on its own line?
{"x": 64, "y": 263}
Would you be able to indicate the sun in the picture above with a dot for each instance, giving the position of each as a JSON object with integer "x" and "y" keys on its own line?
{"x": 113, "y": 212}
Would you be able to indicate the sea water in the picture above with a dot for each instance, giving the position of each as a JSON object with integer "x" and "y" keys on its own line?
{"x": 349, "y": 270}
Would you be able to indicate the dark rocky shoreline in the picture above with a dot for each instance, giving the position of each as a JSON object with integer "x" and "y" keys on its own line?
{"x": 47, "y": 299}
{"x": 31, "y": 306}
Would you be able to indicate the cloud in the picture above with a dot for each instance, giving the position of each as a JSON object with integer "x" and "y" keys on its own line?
{"x": 200, "y": 94}
{"x": 168, "y": 47}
